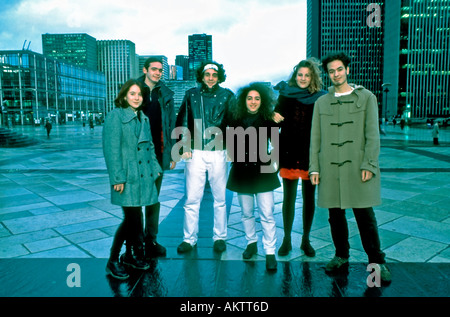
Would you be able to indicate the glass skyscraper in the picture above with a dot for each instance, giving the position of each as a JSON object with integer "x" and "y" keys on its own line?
{"x": 118, "y": 60}
{"x": 200, "y": 49}
{"x": 399, "y": 50}
{"x": 34, "y": 86}
{"x": 79, "y": 49}
{"x": 349, "y": 26}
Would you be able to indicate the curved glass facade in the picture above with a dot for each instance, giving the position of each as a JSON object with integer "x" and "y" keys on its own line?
{"x": 34, "y": 87}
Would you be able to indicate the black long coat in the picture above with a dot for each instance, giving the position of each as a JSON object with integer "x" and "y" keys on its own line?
{"x": 245, "y": 174}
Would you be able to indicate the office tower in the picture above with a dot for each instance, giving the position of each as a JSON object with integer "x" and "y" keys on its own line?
{"x": 350, "y": 26}
{"x": 424, "y": 48}
{"x": 34, "y": 86}
{"x": 166, "y": 69}
{"x": 78, "y": 49}
{"x": 183, "y": 61}
{"x": 176, "y": 72}
{"x": 200, "y": 49}
{"x": 179, "y": 87}
{"x": 117, "y": 59}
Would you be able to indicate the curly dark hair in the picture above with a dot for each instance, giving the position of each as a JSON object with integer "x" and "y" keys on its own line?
{"x": 120, "y": 99}
{"x": 221, "y": 72}
{"x": 341, "y": 56}
{"x": 267, "y": 101}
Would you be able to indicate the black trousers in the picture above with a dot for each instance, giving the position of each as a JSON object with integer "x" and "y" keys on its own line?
{"x": 289, "y": 197}
{"x": 152, "y": 216}
{"x": 130, "y": 230}
{"x": 368, "y": 230}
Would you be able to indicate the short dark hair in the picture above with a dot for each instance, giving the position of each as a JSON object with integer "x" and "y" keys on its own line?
{"x": 221, "y": 72}
{"x": 267, "y": 101}
{"x": 150, "y": 60}
{"x": 334, "y": 56}
{"x": 120, "y": 99}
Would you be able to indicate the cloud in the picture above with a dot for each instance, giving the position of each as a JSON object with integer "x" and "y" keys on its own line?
{"x": 254, "y": 39}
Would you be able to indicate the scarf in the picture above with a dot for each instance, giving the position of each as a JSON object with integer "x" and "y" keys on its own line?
{"x": 301, "y": 94}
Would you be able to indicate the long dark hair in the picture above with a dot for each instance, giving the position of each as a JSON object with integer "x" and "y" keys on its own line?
{"x": 267, "y": 100}
{"x": 120, "y": 99}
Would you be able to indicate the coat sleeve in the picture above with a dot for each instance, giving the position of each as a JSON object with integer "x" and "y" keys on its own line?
{"x": 372, "y": 137}
{"x": 111, "y": 139}
{"x": 314, "y": 148}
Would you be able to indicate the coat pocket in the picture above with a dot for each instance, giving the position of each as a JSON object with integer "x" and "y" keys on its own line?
{"x": 132, "y": 175}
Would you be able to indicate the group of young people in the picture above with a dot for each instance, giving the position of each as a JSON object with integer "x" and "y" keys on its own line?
{"x": 328, "y": 140}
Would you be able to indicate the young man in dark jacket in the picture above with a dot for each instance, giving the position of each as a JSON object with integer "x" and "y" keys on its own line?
{"x": 203, "y": 112}
{"x": 158, "y": 106}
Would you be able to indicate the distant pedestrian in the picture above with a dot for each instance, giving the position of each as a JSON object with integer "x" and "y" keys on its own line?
{"x": 345, "y": 145}
{"x": 48, "y": 127}
{"x": 402, "y": 123}
{"x": 394, "y": 122}
{"x": 91, "y": 123}
{"x": 247, "y": 177}
{"x": 133, "y": 168}
{"x": 435, "y": 133}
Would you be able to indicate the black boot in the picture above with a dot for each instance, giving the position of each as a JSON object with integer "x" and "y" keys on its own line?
{"x": 251, "y": 249}
{"x": 134, "y": 257}
{"x": 286, "y": 247}
{"x": 116, "y": 269}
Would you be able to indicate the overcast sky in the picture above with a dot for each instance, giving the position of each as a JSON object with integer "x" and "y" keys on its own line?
{"x": 256, "y": 40}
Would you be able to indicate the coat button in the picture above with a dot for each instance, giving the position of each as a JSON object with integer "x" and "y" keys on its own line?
{"x": 139, "y": 148}
{"x": 140, "y": 162}
{"x": 142, "y": 175}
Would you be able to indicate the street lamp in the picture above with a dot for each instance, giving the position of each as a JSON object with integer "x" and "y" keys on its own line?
{"x": 386, "y": 90}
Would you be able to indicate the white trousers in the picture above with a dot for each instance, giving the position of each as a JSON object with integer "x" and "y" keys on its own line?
{"x": 266, "y": 207}
{"x": 213, "y": 164}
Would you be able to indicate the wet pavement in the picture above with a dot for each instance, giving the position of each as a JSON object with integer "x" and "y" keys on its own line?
{"x": 56, "y": 221}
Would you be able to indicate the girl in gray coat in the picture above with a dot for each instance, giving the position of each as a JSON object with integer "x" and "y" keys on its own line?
{"x": 133, "y": 168}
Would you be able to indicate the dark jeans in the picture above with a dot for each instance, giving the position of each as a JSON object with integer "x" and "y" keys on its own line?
{"x": 129, "y": 230}
{"x": 152, "y": 216}
{"x": 368, "y": 230}
{"x": 289, "y": 197}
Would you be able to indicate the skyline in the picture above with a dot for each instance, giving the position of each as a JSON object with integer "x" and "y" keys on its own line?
{"x": 254, "y": 40}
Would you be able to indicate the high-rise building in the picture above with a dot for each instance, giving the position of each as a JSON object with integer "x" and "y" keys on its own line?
{"x": 200, "y": 49}
{"x": 78, "y": 49}
{"x": 399, "y": 50}
{"x": 117, "y": 59}
{"x": 183, "y": 61}
{"x": 179, "y": 87}
{"x": 166, "y": 69}
{"x": 423, "y": 58}
{"x": 34, "y": 86}
{"x": 349, "y": 26}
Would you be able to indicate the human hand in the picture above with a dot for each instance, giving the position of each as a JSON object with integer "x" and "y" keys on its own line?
{"x": 366, "y": 175}
{"x": 277, "y": 117}
{"x": 186, "y": 155}
{"x": 172, "y": 165}
{"x": 119, "y": 188}
{"x": 314, "y": 179}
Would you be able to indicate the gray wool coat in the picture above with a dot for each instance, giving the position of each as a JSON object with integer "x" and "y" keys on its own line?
{"x": 130, "y": 158}
{"x": 344, "y": 141}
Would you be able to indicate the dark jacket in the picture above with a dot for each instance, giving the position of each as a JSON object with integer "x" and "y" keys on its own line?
{"x": 168, "y": 118}
{"x": 204, "y": 108}
{"x": 296, "y": 105}
{"x": 245, "y": 175}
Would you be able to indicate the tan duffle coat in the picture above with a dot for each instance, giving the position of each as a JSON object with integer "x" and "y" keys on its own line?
{"x": 344, "y": 142}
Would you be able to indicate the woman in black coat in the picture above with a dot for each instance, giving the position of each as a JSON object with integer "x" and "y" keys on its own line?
{"x": 294, "y": 112}
{"x": 252, "y": 173}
